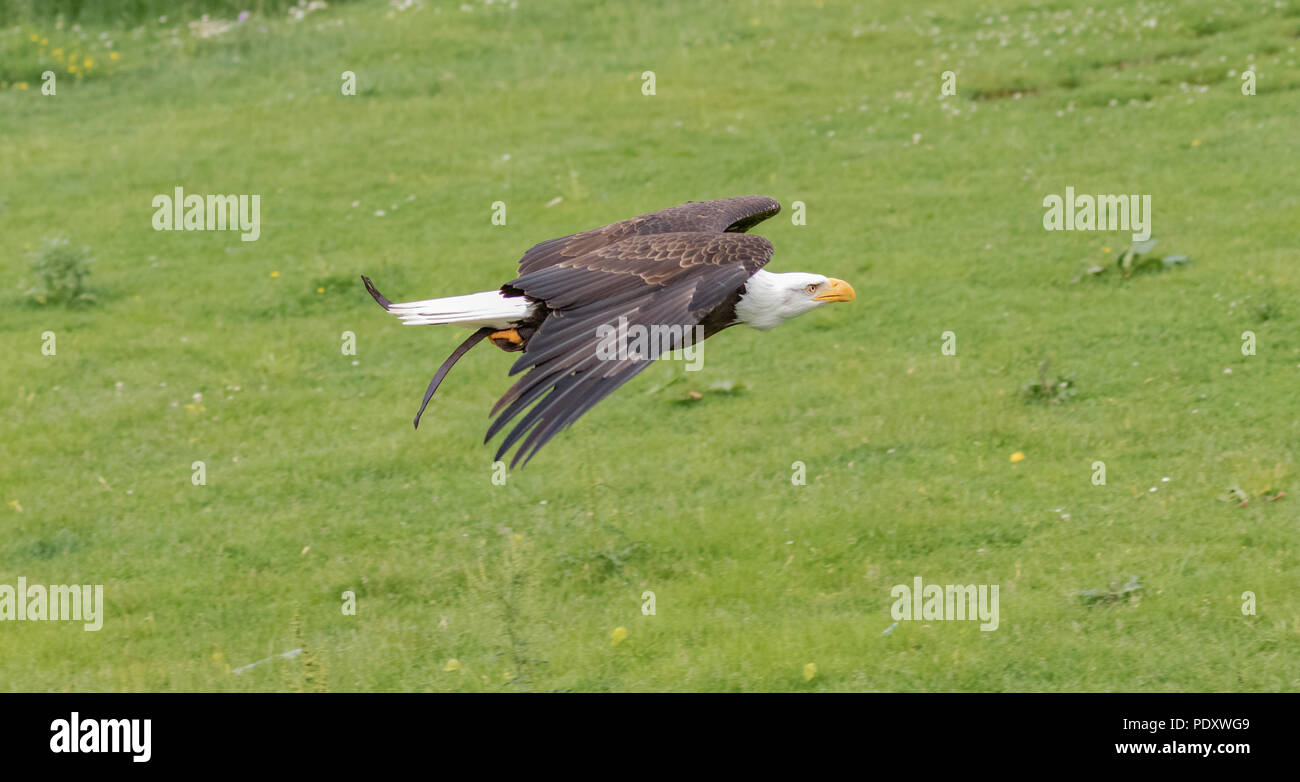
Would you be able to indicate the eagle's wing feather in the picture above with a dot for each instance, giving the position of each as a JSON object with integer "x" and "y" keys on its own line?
{"x": 735, "y": 215}
{"x": 664, "y": 280}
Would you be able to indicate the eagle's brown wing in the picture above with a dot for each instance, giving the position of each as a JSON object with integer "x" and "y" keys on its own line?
{"x": 663, "y": 280}
{"x": 734, "y": 215}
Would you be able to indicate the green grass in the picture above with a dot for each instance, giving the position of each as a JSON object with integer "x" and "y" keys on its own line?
{"x": 930, "y": 206}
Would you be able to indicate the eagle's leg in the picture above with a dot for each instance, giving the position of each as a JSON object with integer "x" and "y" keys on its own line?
{"x": 509, "y": 340}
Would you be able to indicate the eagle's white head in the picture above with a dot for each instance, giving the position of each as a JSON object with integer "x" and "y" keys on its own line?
{"x": 771, "y": 299}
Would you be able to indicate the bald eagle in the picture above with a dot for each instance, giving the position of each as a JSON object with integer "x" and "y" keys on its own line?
{"x": 690, "y": 270}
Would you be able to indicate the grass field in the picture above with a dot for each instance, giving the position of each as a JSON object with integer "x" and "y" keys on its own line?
{"x": 200, "y": 347}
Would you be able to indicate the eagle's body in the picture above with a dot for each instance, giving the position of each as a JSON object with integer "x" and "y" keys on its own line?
{"x": 690, "y": 268}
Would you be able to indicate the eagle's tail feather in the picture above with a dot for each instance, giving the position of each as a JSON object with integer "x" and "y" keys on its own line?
{"x": 488, "y": 308}
{"x": 375, "y": 294}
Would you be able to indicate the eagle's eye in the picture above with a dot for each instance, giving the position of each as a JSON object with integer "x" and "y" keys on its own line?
{"x": 810, "y": 288}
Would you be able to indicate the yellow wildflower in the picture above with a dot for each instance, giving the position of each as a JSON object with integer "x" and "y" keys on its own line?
{"x": 809, "y": 671}
{"x": 113, "y": 56}
{"x": 452, "y": 665}
{"x": 618, "y": 635}
{"x": 1018, "y": 456}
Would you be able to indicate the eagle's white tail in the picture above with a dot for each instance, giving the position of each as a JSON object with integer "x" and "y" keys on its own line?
{"x": 488, "y": 308}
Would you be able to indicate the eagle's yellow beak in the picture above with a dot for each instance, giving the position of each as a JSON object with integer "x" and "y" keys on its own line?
{"x": 839, "y": 291}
